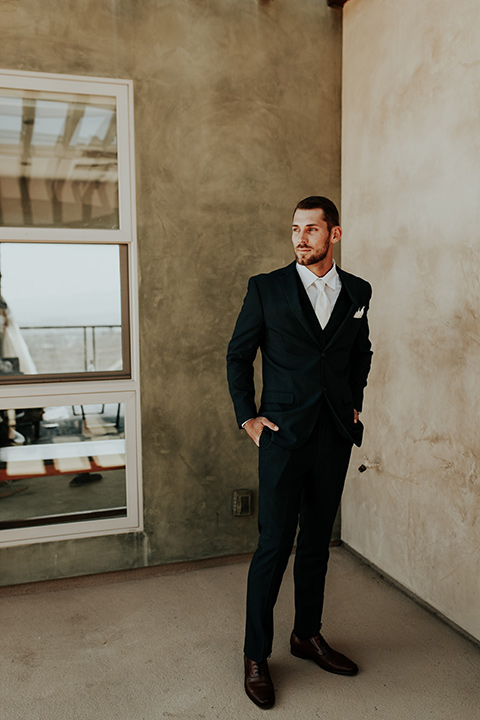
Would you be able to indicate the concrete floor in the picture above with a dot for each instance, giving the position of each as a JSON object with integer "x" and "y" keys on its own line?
{"x": 170, "y": 646}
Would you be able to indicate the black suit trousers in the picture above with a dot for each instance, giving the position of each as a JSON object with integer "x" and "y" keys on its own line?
{"x": 297, "y": 488}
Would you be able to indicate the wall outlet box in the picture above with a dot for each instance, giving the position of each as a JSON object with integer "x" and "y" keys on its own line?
{"x": 242, "y": 502}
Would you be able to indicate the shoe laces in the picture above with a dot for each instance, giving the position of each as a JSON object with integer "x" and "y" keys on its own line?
{"x": 259, "y": 669}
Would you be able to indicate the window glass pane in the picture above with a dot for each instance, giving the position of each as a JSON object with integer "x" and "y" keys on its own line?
{"x": 60, "y": 308}
{"x": 62, "y": 464}
{"x": 58, "y": 160}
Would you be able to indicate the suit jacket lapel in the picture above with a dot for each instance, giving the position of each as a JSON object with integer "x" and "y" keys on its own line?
{"x": 339, "y": 312}
{"x": 303, "y": 310}
{"x": 346, "y": 283}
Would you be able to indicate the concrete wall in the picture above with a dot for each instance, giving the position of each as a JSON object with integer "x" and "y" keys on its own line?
{"x": 410, "y": 198}
{"x": 237, "y": 112}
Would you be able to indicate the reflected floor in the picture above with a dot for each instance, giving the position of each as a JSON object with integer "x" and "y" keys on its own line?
{"x": 72, "y": 461}
{"x": 54, "y": 496}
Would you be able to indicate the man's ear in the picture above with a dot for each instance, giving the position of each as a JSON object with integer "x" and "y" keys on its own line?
{"x": 335, "y": 234}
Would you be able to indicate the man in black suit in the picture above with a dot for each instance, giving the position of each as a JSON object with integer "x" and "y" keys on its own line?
{"x": 309, "y": 320}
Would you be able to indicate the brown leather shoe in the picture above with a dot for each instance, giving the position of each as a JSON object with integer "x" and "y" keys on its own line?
{"x": 258, "y": 683}
{"x": 318, "y": 650}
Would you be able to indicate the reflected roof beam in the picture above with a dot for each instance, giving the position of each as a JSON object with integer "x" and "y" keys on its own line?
{"x": 54, "y": 188}
{"x": 111, "y": 133}
{"x": 24, "y": 183}
{"x": 75, "y": 113}
{"x": 28, "y": 121}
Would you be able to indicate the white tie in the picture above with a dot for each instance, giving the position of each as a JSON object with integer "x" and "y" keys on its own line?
{"x": 322, "y": 304}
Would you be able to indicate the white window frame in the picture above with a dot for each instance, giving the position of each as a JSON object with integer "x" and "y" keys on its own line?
{"x": 122, "y": 90}
{"x": 85, "y": 392}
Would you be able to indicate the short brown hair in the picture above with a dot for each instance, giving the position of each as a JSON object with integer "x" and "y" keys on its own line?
{"x": 314, "y": 202}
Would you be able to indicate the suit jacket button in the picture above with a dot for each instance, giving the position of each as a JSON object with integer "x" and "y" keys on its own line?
{"x": 324, "y": 355}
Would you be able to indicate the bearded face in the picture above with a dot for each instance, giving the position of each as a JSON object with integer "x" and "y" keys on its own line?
{"x": 311, "y": 237}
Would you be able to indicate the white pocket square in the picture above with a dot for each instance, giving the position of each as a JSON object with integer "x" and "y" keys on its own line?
{"x": 359, "y": 313}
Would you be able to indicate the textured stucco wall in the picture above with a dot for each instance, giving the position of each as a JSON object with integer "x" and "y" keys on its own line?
{"x": 237, "y": 112}
{"x": 410, "y": 199}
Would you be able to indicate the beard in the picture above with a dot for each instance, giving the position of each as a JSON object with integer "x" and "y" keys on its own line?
{"x": 313, "y": 258}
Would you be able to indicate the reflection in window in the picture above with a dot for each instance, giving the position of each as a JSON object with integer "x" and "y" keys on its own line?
{"x": 62, "y": 464}
{"x": 60, "y": 309}
{"x": 58, "y": 160}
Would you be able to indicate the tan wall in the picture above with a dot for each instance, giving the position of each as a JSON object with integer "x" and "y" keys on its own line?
{"x": 411, "y": 164}
{"x": 237, "y": 112}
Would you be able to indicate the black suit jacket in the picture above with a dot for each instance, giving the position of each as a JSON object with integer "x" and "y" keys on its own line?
{"x": 302, "y": 365}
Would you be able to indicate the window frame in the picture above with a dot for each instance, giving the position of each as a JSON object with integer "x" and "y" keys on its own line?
{"x": 122, "y": 90}
{"x": 86, "y": 528}
{"x": 94, "y": 387}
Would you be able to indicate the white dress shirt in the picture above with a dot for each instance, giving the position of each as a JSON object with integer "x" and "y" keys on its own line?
{"x": 332, "y": 281}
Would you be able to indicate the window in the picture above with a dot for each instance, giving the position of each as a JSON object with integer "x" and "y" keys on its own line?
{"x": 59, "y": 160}
{"x": 63, "y": 311}
{"x": 69, "y": 414}
{"x": 46, "y": 454}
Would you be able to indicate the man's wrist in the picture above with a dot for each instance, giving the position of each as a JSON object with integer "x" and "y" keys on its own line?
{"x": 244, "y": 423}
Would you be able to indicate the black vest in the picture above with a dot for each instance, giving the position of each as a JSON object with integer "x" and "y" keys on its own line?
{"x": 339, "y": 313}
{"x": 324, "y": 335}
